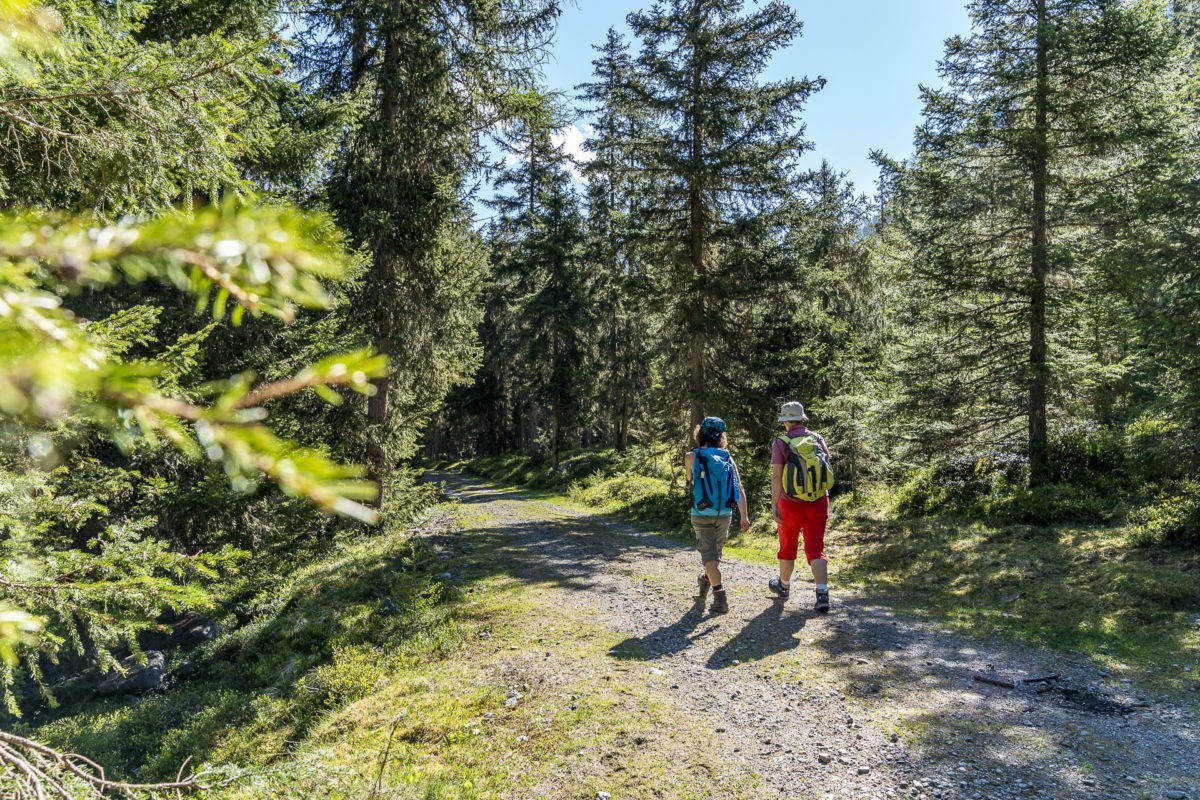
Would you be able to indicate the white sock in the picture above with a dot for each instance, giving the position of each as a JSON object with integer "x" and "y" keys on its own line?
{"x": 785, "y": 584}
{"x": 822, "y": 587}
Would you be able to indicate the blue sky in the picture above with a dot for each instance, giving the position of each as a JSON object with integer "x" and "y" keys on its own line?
{"x": 873, "y": 53}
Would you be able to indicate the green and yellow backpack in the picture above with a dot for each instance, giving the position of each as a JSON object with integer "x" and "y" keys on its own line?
{"x": 807, "y": 474}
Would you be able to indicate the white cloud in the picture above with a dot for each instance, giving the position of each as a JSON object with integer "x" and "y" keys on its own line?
{"x": 571, "y": 139}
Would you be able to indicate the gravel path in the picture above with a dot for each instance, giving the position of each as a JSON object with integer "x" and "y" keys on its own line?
{"x": 861, "y": 702}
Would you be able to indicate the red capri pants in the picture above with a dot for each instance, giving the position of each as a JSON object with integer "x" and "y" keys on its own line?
{"x": 807, "y": 516}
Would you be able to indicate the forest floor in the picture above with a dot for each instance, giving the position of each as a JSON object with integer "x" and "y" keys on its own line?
{"x": 603, "y": 649}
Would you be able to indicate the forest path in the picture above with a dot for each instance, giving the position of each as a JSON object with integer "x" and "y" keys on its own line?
{"x": 861, "y": 702}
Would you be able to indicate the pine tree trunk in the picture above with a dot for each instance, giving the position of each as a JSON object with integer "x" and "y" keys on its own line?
{"x": 383, "y": 262}
{"x": 623, "y": 422}
{"x": 1040, "y": 266}
{"x": 554, "y": 440}
{"x": 533, "y": 428}
{"x": 696, "y": 249}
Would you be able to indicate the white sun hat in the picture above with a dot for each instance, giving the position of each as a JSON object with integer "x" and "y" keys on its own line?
{"x": 792, "y": 412}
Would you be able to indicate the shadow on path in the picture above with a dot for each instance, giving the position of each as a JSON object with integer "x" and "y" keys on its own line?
{"x": 773, "y": 631}
{"x": 667, "y": 640}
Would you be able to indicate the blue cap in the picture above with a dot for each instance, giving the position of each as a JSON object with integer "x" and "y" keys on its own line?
{"x": 712, "y": 427}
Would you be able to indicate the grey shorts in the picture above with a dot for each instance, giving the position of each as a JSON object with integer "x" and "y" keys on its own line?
{"x": 711, "y": 533}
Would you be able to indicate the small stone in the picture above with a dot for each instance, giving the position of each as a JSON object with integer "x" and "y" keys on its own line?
{"x": 895, "y": 738}
{"x": 863, "y": 770}
{"x": 824, "y": 758}
{"x": 1175, "y": 794}
{"x": 522, "y": 738}
{"x": 603, "y": 796}
{"x": 1088, "y": 781}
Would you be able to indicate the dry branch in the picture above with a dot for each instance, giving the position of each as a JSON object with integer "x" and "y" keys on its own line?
{"x": 34, "y": 771}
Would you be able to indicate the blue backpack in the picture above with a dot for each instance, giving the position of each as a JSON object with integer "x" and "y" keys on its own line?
{"x": 714, "y": 484}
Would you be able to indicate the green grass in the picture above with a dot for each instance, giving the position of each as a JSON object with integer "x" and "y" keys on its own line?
{"x": 1072, "y": 587}
{"x": 1069, "y": 587}
{"x": 327, "y": 693}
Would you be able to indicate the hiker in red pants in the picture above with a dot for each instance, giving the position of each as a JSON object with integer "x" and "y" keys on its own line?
{"x": 800, "y": 481}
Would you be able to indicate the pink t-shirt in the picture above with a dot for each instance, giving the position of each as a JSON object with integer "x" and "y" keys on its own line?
{"x": 779, "y": 450}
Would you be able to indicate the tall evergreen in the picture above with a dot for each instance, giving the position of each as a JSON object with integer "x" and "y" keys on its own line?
{"x": 432, "y": 77}
{"x": 1155, "y": 269}
{"x": 718, "y": 161}
{"x": 621, "y": 348}
{"x": 1022, "y": 159}
{"x": 541, "y": 277}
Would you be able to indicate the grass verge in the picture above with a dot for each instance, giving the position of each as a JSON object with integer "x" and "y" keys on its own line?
{"x": 410, "y": 664}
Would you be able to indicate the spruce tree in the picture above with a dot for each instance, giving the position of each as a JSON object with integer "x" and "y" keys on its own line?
{"x": 718, "y": 160}
{"x": 1155, "y": 265}
{"x": 542, "y": 271}
{"x": 621, "y": 349}
{"x": 1018, "y": 164}
{"x": 432, "y": 77}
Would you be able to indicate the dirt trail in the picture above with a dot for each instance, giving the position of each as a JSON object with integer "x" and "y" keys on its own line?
{"x": 859, "y": 703}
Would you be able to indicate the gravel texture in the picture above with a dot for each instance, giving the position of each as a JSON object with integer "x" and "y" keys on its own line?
{"x": 858, "y": 703}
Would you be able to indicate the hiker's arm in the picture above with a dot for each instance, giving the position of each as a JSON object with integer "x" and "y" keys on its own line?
{"x": 776, "y": 490}
{"x": 742, "y": 509}
{"x": 688, "y": 458}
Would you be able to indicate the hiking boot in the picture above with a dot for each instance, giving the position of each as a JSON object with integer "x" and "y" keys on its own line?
{"x": 822, "y": 600}
{"x": 704, "y": 586}
{"x": 776, "y": 586}
{"x": 720, "y": 604}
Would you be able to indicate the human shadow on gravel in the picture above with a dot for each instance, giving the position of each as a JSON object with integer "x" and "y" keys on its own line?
{"x": 667, "y": 640}
{"x": 772, "y": 631}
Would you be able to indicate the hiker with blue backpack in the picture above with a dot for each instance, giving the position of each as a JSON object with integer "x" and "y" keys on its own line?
{"x": 801, "y": 477}
{"x": 716, "y": 491}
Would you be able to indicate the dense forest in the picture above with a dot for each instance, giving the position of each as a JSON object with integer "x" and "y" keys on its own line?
{"x": 239, "y": 256}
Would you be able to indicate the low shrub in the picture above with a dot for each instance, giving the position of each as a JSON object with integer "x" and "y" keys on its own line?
{"x": 963, "y": 484}
{"x": 1086, "y": 455}
{"x": 639, "y": 496}
{"x": 1049, "y": 504}
{"x": 1173, "y": 517}
{"x": 1160, "y": 449}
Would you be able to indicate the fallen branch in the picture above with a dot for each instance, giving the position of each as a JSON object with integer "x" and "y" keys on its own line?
{"x": 34, "y": 771}
{"x": 994, "y": 682}
{"x": 1043, "y": 679}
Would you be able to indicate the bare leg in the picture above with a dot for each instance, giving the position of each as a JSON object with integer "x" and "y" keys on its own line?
{"x": 820, "y": 570}
{"x": 785, "y": 570}
{"x": 713, "y": 570}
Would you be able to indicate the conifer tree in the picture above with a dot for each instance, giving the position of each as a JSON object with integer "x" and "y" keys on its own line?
{"x": 621, "y": 348}
{"x": 1154, "y": 268}
{"x": 1023, "y": 156}
{"x": 432, "y": 77}
{"x": 718, "y": 160}
{"x": 541, "y": 270}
